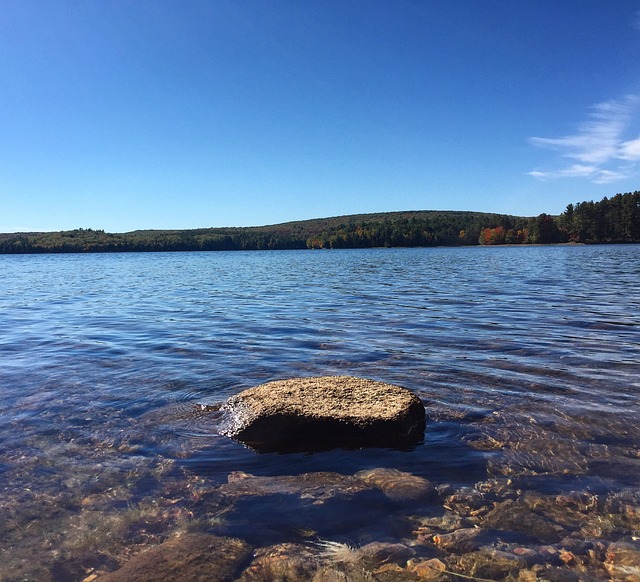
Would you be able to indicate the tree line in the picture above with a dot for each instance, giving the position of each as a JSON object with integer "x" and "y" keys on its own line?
{"x": 611, "y": 220}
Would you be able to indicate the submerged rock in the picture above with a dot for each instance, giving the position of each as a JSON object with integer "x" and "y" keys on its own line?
{"x": 317, "y": 487}
{"x": 187, "y": 558}
{"x": 324, "y": 561}
{"x": 379, "y": 553}
{"x": 433, "y": 569}
{"x": 274, "y": 508}
{"x": 489, "y": 564}
{"x": 285, "y": 561}
{"x": 517, "y": 517}
{"x": 322, "y": 413}
{"x": 623, "y": 561}
{"x": 460, "y": 540}
{"x": 397, "y": 485}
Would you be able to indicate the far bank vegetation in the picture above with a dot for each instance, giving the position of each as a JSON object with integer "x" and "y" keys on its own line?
{"x": 611, "y": 220}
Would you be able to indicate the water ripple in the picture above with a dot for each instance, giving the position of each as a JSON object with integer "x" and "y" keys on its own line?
{"x": 527, "y": 359}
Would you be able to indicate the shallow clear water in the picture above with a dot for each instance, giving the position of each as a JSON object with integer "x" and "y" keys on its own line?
{"x": 527, "y": 360}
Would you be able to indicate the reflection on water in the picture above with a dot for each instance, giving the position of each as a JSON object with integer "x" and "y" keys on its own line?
{"x": 527, "y": 359}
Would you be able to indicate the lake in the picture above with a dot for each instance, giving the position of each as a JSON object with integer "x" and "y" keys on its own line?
{"x": 527, "y": 360}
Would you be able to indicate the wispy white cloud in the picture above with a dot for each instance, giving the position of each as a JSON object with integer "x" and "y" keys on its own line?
{"x": 573, "y": 171}
{"x": 593, "y": 173}
{"x": 630, "y": 150}
{"x": 598, "y": 146}
{"x": 608, "y": 176}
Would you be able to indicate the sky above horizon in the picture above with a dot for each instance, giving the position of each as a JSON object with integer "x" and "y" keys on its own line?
{"x": 124, "y": 115}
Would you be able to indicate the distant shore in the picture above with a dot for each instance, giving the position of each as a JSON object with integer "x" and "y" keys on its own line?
{"x": 610, "y": 221}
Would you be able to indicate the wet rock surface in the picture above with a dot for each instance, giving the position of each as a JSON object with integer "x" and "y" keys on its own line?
{"x": 322, "y": 413}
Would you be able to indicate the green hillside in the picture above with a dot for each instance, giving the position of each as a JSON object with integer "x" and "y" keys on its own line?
{"x": 614, "y": 220}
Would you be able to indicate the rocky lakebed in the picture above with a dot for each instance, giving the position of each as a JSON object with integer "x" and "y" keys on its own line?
{"x": 532, "y": 513}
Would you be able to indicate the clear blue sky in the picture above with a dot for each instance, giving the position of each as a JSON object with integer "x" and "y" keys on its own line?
{"x": 122, "y": 115}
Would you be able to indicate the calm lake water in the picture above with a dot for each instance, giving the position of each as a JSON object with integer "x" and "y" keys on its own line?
{"x": 526, "y": 358}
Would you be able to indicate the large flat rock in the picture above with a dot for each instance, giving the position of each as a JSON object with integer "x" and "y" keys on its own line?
{"x": 306, "y": 414}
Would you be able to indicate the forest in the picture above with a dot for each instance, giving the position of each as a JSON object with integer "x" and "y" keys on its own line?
{"x": 610, "y": 220}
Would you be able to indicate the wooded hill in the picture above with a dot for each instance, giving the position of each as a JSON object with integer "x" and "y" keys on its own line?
{"x": 611, "y": 220}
